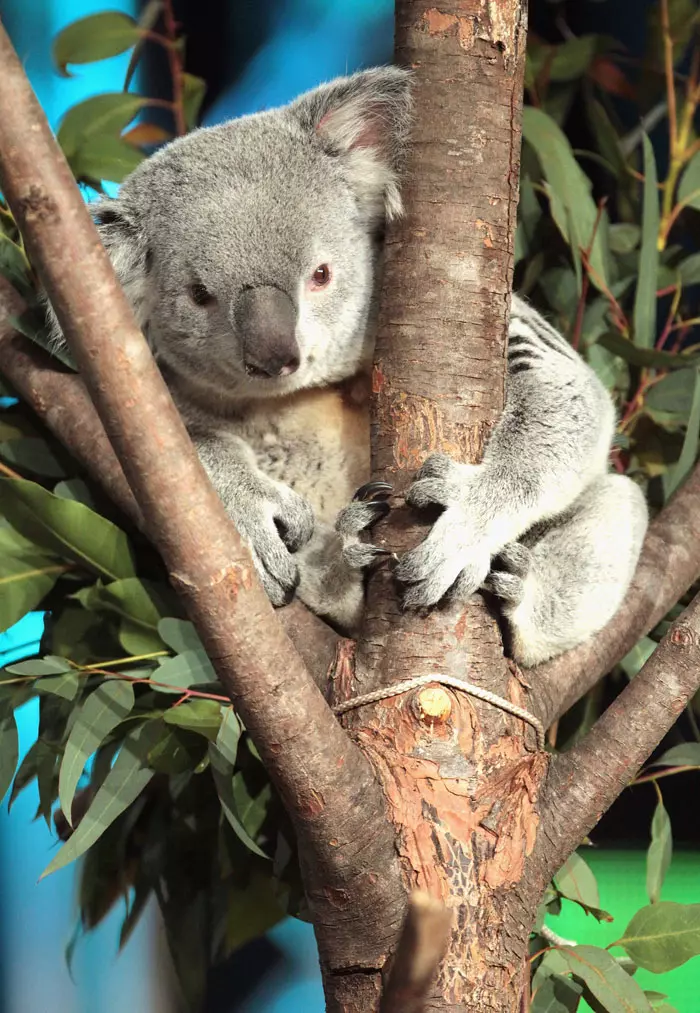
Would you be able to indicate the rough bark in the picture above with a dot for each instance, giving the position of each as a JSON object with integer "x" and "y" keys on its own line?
{"x": 460, "y": 777}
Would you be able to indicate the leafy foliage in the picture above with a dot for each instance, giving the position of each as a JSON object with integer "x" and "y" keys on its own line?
{"x": 141, "y": 760}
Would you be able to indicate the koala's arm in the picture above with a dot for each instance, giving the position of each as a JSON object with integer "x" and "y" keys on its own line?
{"x": 550, "y": 445}
{"x": 274, "y": 520}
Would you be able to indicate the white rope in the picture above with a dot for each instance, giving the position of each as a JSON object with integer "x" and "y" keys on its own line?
{"x": 446, "y": 680}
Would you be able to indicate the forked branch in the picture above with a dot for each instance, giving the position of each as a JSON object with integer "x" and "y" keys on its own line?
{"x": 304, "y": 748}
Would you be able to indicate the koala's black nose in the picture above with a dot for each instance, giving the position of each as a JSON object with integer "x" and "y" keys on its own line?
{"x": 266, "y": 320}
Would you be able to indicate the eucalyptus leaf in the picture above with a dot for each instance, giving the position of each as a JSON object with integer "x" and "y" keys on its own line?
{"x": 139, "y": 605}
{"x": 624, "y": 237}
{"x": 556, "y": 994}
{"x": 24, "y": 583}
{"x": 93, "y": 38}
{"x": 663, "y": 936}
{"x": 193, "y": 91}
{"x": 645, "y": 299}
{"x": 674, "y": 393}
{"x": 689, "y": 186}
{"x": 191, "y": 668}
{"x": 32, "y": 454}
{"x": 229, "y": 735}
{"x": 222, "y": 772}
{"x": 659, "y": 853}
{"x": 203, "y": 716}
{"x": 685, "y": 755}
{"x": 576, "y": 882}
{"x": 572, "y": 204}
{"x": 645, "y": 357}
{"x": 101, "y": 712}
{"x": 180, "y": 635}
{"x": 604, "y": 982}
{"x": 676, "y": 475}
{"x": 67, "y": 528}
{"x": 75, "y": 489}
{"x": 9, "y": 746}
{"x": 122, "y": 786}
{"x": 105, "y": 158}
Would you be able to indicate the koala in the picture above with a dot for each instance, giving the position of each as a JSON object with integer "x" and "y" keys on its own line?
{"x": 251, "y": 253}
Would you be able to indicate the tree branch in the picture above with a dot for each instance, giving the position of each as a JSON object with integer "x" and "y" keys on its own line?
{"x": 669, "y": 564}
{"x": 422, "y": 945}
{"x": 586, "y": 780}
{"x": 324, "y": 780}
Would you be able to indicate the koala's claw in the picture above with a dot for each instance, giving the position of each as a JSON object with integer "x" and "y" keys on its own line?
{"x": 370, "y": 490}
{"x": 507, "y": 579}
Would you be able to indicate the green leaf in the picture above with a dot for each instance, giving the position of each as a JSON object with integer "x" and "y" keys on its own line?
{"x": 179, "y": 635}
{"x": 689, "y": 186}
{"x": 106, "y": 158}
{"x": 122, "y": 786}
{"x": 229, "y": 735}
{"x": 645, "y": 299}
{"x": 75, "y": 489}
{"x": 231, "y": 795}
{"x": 101, "y": 712}
{"x": 605, "y": 983}
{"x": 24, "y": 583}
{"x": 685, "y": 755}
{"x": 659, "y": 853}
{"x": 13, "y": 266}
{"x": 677, "y": 474}
{"x": 191, "y": 668}
{"x": 50, "y": 665}
{"x": 674, "y": 393}
{"x": 66, "y": 686}
{"x": 139, "y": 605}
{"x": 573, "y": 208}
{"x": 32, "y": 454}
{"x": 645, "y": 357}
{"x": 556, "y": 994}
{"x": 98, "y": 116}
{"x": 193, "y": 90}
{"x": 171, "y": 754}
{"x": 576, "y": 882}
{"x": 67, "y": 528}
{"x": 638, "y": 656}
{"x": 9, "y": 746}
{"x": 624, "y": 237}
{"x": 203, "y": 716}
{"x": 252, "y": 910}
{"x": 689, "y": 270}
{"x": 93, "y": 38}
{"x": 663, "y": 936}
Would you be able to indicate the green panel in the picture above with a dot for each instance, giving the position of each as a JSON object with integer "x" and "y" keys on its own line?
{"x": 621, "y": 878}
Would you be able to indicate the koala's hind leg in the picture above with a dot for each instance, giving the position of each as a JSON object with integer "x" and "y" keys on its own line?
{"x": 565, "y": 580}
{"x": 333, "y": 564}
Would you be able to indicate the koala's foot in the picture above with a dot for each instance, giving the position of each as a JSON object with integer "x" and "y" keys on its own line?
{"x": 507, "y": 577}
{"x": 456, "y": 555}
{"x": 369, "y": 505}
{"x": 333, "y": 565}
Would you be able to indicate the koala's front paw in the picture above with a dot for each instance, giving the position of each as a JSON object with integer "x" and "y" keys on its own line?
{"x": 507, "y": 578}
{"x": 275, "y": 525}
{"x": 455, "y": 557}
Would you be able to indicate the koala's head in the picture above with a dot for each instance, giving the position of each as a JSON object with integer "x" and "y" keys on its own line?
{"x": 248, "y": 250}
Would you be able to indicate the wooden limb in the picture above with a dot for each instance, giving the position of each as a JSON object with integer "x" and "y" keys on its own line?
{"x": 669, "y": 564}
{"x": 421, "y": 947}
{"x": 586, "y": 780}
{"x": 323, "y": 778}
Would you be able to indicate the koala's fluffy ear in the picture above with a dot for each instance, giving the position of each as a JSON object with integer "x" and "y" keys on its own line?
{"x": 125, "y": 242}
{"x": 365, "y": 120}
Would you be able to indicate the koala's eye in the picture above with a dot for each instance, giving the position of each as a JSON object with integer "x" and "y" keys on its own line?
{"x": 321, "y": 276}
{"x": 200, "y": 294}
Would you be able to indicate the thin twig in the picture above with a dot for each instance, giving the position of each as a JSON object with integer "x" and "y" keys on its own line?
{"x": 422, "y": 944}
{"x": 175, "y": 67}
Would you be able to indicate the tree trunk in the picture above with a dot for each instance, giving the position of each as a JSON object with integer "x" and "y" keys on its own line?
{"x": 460, "y": 777}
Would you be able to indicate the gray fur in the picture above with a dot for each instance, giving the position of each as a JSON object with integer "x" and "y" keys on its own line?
{"x": 220, "y": 240}
{"x": 543, "y": 481}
